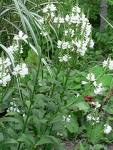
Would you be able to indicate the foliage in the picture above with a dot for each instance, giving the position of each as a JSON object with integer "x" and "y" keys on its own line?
{"x": 52, "y": 88}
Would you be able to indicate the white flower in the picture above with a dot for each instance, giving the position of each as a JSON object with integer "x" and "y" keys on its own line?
{"x": 59, "y": 134}
{"x": 64, "y": 58}
{"x": 52, "y": 14}
{"x": 44, "y": 33}
{"x": 97, "y": 119}
{"x": 89, "y": 117}
{"x": 16, "y": 70}
{"x": 69, "y": 32}
{"x": 15, "y": 47}
{"x": 61, "y": 20}
{"x": 92, "y": 118}
{"x": 67, "y": 18}
{"x": 99, "y": 89}
{"x": 52, "y": 7}
{"x": 13, "y": 108}
{"x": 24, "y": 115}
{"x": 5, "y": 76}
{"x": 67, "y": 118}
{"x": 107, "y": 128}
{"x": 55, "y": 20}
{"x": 77, "y": 95}
{"x": 95, "y": 83}
{"x": 7, "y": 62}
{"x": 41, "y": 20}
{"x": 45, "y": 9}
{"x": 88, "y": 32}
{"x": 21, "y": 36}
{"x": 110, "y": 65}
{"x": 76, "y": 9}
{"x": 81, "y": 46}
{"x": 97, "y": 105}
{"x": 91, "y": 77}
{"x": 6, "y": 79}
{"x": 75, "y": 19}
{"x": 83, "y": 82}
{"x": 91, "y": 44}
{"x": 106, "y": 63}
{"x": 11, "y": 49}
{"x": 20, "y": 69}
{"x": 59, "y": 44}
{"x": 63, "y": 45}
{"x": 49, "y": 8}
{"x": 78, "y": 44}
{"x": 24, "y": 70}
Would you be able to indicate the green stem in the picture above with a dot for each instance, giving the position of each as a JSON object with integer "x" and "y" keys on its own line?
{"x": 19, "y": 90}
{"x": 64, "y": 85}
{"x": 30, "y": 107}
{"x": 53, "y": 86}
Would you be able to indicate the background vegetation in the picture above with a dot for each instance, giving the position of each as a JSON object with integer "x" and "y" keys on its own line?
{"x": 48, "y": 109}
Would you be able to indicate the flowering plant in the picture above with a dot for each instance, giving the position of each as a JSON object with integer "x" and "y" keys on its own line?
{"x": 55, "y": 95}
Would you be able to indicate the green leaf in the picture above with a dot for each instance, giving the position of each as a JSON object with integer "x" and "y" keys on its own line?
{"x": 28, "y": 103}
{"x": 47, "y": 140}
{"x": 95, "y": 133}
{"x": 72, "y": 126}
{"x": 82, "y": 106}
{"x": 1, "y": 136}
{"x": 27, "y": 139}
{"x": 106, "y": 80}
{"x": 97, "y": 70}
{"x": 10, "y": 119}
{"x": 14, "y": 118}
{"x": 82, "y": 146}
{"x": 10, "y": 141}
{"x": 6, "y": 97}
{"x": 110, "y": 2}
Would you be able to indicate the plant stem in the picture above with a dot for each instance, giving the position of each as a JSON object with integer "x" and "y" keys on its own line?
{"x": 64, "y": 86}
{"x": 31, "y": 98}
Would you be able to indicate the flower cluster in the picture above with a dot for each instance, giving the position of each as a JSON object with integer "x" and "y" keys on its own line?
{"x": 6, "y": 71}
{"x": 82, "y": 26}
{"x": 69, "y": 32}
{"x": 20, "y": 69}
{"x": 20, "y": 36}
{"x": 64, "y": 58}
{"x": 77, "y": 34}
{"x": 96, "y": 104}
{"x": 5, "y": 76}
{"x": 90, "y": 77}
{"x": 108, "y": 64}
{"x": 13, "y": 108}
{"x": 93, "y": 119}
{"x": 99, "y": 89}
{"x": 49, "y": 9}
{"x": 15, "y": 47}
{"x": 63, "y": 45}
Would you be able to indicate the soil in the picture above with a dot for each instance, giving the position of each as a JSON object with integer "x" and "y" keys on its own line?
{"x": 69, "y": 145}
